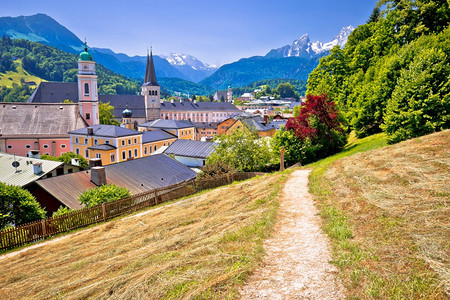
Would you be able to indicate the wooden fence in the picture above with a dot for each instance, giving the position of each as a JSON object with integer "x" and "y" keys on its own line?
{"x": 17, "y": 236}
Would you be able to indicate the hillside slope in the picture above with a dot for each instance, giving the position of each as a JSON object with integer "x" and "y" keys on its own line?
{"x": 203, "y": 246}
{"x": 386, "y": 211}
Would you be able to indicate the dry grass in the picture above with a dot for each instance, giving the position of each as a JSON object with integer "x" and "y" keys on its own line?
{"x": 203, "y": 247}
{"x": 387, "y": 212}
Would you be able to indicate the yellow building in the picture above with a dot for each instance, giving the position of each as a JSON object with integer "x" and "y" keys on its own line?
{"x": 184, "y": 130}
{"x": 229, "y": 125}
{"x": 108, "y": 142}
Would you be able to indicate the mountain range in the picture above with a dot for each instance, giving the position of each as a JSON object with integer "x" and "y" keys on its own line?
{"x": 293, "y": 61}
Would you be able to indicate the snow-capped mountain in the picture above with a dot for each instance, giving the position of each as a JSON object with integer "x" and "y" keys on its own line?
{"x": 190, "y": 66}
{"x": 303, "y": 47}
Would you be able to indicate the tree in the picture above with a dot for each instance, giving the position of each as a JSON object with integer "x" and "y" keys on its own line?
{"x": 293, "y": 146}
{"x": 243, "y": 150}
{"x": 106, "y": 114}
{"x": 375, "y": 15}
{"x": 67, "y": 158}
{"x": 18, "y": 206}
{"x": 193, "y": 97}
{"x": 286, "y": 90}
{"x": 319, "y": 127}
{"x": 102, "y": 194}
{"x": 222, "y": 99}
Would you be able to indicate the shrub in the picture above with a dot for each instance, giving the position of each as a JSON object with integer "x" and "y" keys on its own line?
{"x": 18, "y": 206}
{"x": 62, "y": 210}
{"x": 104, "y": 193}
{"x": 215, "y": 169}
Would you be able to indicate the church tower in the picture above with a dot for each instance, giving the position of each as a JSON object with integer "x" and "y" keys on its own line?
{"x": 127, "y": 121}
{"x": 87, "y": 88}
{"x": 151, "y": 91}
{"x": 229, "y": 94}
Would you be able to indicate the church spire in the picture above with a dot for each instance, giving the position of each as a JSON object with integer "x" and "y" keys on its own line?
{"x": 150, "y": 74}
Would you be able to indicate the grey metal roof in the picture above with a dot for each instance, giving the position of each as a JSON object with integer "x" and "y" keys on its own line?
{"x": 25, "y": 172}
{"x": 254, "y": 123}
{"x": 156, "y": 135}
{"x": 106, "y": 130}
{"x": 277, "y": 124}
{"x": 190, "y": 148}
{"x": 135, "y": 103}
{"x": 199, "y": 106}
{"x": 104, "y": 147}
{"x": 55, "y": 92}
{"x": 168, "y": 124}
{"x": 206, "y": 125}
{"x": 138, "y": 175}
{"x": 37, "y": 119}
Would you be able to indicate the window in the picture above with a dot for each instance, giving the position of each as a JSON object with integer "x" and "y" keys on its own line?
{"x": 86, "y": 89}
{"x": 9, "y": 146}
{"x": 77, "y": 140}
{"x": 145, "y": 150}
{"x": 86, "y": 141}
{"x": 155, "y": 148}
{"x": 88, "y": 116}
{"x": 86, "y": 153}
{"x": 113, "y": 157}
{"x": 123, "y": 142}
{"x": 135, "y": 153}
{"x": 124, "y": 155}
{"x": 107, "y": 142}
{"x": 63, "y": 146}
{"x": 129, "y": 142}
{"x": 45, "y": 146}
{"x": 164, "y": 143}
{"x": 156, "y": 93}
{"x": 135, "y": 141}
{"x": 182, "y": 133}
{"x": 28, "y": 146}
{"x": 69, "y": 171}
{"x": 77, "y": 151}
{"x": 98, "y": 155}
{"x": 96, "y": 142}
{"x": 150, "y": 149}
{"x": 130, "y": 154}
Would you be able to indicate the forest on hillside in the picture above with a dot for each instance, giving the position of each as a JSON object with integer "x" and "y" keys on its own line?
{"x": 51, "y": 64}
{"x": 394, "y": 73}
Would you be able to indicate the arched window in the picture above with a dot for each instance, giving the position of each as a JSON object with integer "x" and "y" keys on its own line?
{"x": 150, "y": 93}
{"x": 86, "y": 89}
{"x": 156, "y": 93}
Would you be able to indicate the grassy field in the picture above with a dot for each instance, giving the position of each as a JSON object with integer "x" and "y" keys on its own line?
{"x": 202, "y": 247}
{"x": 7, "y": 79}
{"x": 387, "y": 214}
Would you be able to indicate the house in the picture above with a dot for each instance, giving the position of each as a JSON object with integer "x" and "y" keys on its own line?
{"x": 110, "y": 143}
{"x": 23, "y": 171}
{"x": 38, "y": 126}
{"x": 154, "y": 140}
{"x": 250, "y": 122}
{"x": 181, "y": 129}
{"x": 138, "y": 175}
{"x": 190, "y": 153}
{"x": 205, "y": 131}
{"x": 247, "y": 97}
{"x": 198, "y": 111}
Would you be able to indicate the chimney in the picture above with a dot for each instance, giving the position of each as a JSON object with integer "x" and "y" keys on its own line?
{"x": 98, "y": 176}
{"x": 171, "y": 100}
{"x": 90, "y": 131}
{"x": 37, "y": 168}
{"x": 34, "y": 154}
{"x": 266, "y": 119}
{"x": 95, "y": 162}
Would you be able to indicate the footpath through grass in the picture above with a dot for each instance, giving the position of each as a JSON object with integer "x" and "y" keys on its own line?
{"x": 386, "y": 213}
{"x": 203, "y": 247}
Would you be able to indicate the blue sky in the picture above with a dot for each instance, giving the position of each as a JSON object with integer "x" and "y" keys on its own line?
{"x": 214, "y": 31}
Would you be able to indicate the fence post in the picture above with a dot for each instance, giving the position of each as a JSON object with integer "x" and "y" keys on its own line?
{"x": 195, "y": 186}
{"x": 228, "y": 178}
{"x": 104, "y": 211}
{"x": 232, "y": 177}
{"x": 44, "y": 229}
{"x": 156, "y": 197}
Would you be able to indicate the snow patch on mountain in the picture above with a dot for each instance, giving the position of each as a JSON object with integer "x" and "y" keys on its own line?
{"x": 187, "y": 60}
{"x": 303, "y": 47}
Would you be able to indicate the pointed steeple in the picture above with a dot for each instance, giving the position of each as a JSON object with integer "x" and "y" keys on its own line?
{"x": 150, "y": 74}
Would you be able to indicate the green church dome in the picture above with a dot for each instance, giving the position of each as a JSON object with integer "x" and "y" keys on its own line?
{"x": 85, "y": 55}
{"x": 127, "y": 113}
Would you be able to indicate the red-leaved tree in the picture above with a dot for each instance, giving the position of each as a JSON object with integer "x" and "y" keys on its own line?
{"x": 318, "y": 127}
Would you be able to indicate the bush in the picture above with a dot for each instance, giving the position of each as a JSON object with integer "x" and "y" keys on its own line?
{"x": 104, "y": 193}
{"x": 67, "y": 158}
{"x": 319, "y": 129}
{"x": 62, "y": 210}
{"x": 215, "y": 169}
{"x": 18, "y": 206}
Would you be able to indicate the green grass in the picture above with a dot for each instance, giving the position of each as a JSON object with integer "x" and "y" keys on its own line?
{"x": 7, "y": 79}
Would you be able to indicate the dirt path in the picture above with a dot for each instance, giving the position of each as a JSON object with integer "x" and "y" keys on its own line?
{"x": 296, "y": 265}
